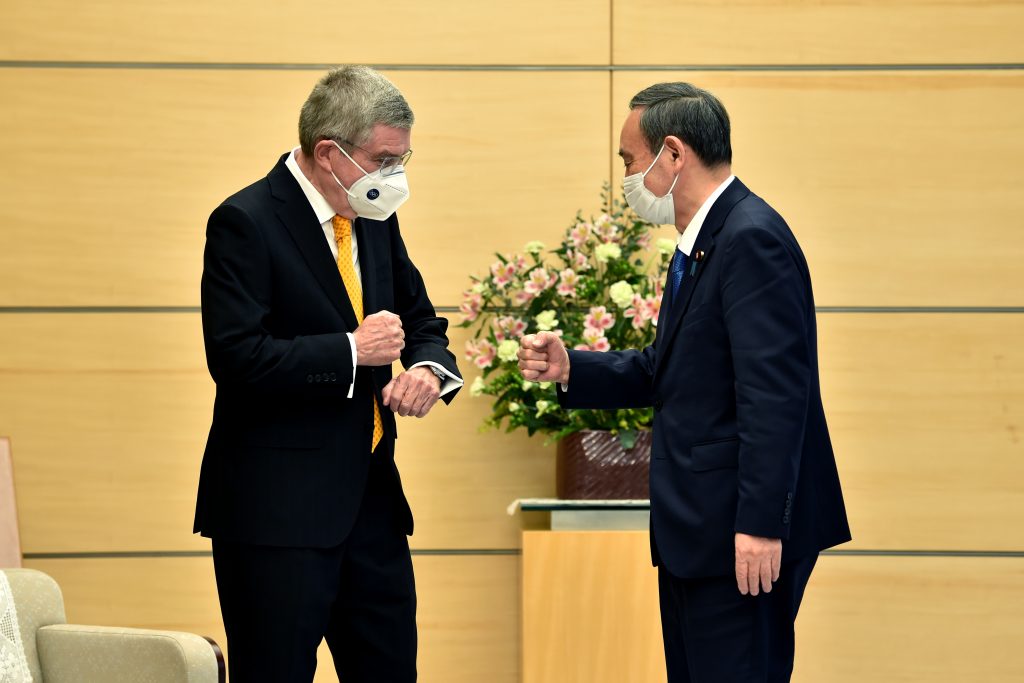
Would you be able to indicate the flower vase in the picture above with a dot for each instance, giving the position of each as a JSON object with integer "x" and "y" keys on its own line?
{"x": 593, "y": 465}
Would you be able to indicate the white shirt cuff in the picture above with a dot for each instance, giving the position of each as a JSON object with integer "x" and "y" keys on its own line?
{"x": 352, "y": 343}
{"x": 449, "y": 384}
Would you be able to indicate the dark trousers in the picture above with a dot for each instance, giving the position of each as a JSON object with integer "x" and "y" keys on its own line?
{"x": 713, "y": 634}
{"x": 279, "y": 603}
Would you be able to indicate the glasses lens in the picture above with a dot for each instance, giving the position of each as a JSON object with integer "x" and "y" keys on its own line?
{"x": 392, "y": 165}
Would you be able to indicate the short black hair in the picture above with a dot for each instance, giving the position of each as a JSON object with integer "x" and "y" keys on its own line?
{"x": 693, "y": 115}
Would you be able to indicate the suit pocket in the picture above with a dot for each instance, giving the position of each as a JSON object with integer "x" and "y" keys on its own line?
{"x": 716, "y": 455}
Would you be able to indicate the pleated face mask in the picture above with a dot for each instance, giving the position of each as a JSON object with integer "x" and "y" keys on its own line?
{"x": 650, "y": 207}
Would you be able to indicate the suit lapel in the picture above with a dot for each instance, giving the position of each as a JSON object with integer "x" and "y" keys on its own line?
{"x": 298, "y": 217}
{"x": 668, "y": 323}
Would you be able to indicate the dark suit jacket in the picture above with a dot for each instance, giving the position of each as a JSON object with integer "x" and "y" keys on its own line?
{"x": 287, "y": 456}
{"x": 740, "y": 441}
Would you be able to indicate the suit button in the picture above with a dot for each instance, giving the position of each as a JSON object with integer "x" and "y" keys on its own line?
{"x": 334, "y": 377}
{"x": 309, "y": 378}
{"x": 785, "y": 519}
{"x": 318, "y": 378}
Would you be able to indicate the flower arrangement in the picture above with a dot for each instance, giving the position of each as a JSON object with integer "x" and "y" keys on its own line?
{"x": 600, "y": 290}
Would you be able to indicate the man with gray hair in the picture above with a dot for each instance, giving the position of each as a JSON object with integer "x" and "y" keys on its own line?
{"x": 744, "y": 487}
{"x": 308, "y": 297}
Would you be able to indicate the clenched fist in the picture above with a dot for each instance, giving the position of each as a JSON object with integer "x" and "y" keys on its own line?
{"x": 380, "y": 339}
{"x": 543, "y": 358}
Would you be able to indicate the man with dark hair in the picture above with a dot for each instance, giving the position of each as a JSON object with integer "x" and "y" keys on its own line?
{"x": 309, "y": 296}
{"x": 744, "y": 487}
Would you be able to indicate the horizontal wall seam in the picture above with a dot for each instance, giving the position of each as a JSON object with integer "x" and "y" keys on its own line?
{"x": 136, "y": 554}
{"x": 455, "y": 309}
{"x": 475, "y": 552}
{"x": 302, "y": 66}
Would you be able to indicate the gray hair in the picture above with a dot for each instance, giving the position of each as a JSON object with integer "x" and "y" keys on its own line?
{"x": 347, "y": 103}
{"x": 693, "y": 115}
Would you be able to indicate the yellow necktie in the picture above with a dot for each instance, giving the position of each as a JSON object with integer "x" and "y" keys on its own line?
{"x": 343, "y": 236}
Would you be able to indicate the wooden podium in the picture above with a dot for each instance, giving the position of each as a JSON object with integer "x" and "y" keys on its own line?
{"x": 590, "y": 595}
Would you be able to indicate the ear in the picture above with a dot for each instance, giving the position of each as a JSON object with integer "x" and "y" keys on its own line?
{"x": 322, "y": 154}
{"x": 676, "y": 150}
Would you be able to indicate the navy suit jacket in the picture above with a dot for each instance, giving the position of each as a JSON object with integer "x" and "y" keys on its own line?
{"x": 740, "y": 440}
{"x": 288, "y": 453}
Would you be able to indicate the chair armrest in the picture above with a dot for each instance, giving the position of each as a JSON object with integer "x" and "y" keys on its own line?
{"x": 70, "y": 653}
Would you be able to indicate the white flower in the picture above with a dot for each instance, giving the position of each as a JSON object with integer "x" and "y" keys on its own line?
{"x": 546, "y": 320}
{"x": 545, "y": 385}
{"x": 606, "y": 252}
{"x": 527, "y": 385}
{"x": 477, "y": 387}
{"x": 508, "y": 349}
{"x": 543, "y": 407}
{"x": 666, "y": 246}
{"x": 534, "y": 247}
{"x": 513, "y": 407}
{"x": 621, "y": 293}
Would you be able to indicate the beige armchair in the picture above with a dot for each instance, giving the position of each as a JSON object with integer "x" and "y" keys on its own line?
{"x": 58, "y": 652}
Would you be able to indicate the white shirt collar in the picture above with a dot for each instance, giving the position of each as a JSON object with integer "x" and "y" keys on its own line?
{"x": 324, "y": 212}
{"x": 689, "y": 236}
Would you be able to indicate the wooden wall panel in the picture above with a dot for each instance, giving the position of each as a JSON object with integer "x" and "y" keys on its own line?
{"x": 118, "y": 171}
{"x": 912, "y": 619}
{"x": 926, "y": 414}
{"x": 590, "y": 612}
{"x": 902, "y": 187}
{"x": 109, "y": 415}
{"x": 319, "y": 32}
{"x": 467, "y": 613}
{"x": 818, "y": 32}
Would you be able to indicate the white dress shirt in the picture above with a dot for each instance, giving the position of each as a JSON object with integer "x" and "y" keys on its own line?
{"x": 689, "y": 236}
{"x": 325, "y": 214}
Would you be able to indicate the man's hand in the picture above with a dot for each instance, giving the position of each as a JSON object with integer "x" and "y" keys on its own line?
{"x": 758, "y": 561}
{"x": 414, "y": 392}
{"x": 380, "y": 339}
{"x": 542, "y": 358}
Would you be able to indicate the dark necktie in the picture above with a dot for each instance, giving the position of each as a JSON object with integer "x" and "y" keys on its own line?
{"x": 676, "y": 272}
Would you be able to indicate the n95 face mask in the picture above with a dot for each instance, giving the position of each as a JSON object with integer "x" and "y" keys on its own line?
{"x": 376, "y": 196}
{"x": 648, "y": 206}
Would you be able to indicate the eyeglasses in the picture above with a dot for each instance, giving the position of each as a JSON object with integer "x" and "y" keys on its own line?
{"x": 388, "y": 165}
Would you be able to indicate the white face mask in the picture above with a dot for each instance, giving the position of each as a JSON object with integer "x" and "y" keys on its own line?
{"x": 657, "y": 210}
{"x": 375, "y": 196}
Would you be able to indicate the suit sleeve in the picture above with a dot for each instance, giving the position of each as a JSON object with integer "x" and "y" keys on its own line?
{"x": 766, "y": 304}
{"x": 236, "y": 301}
{"x": 425, "y": 331}
{"x": 609, "y": 380}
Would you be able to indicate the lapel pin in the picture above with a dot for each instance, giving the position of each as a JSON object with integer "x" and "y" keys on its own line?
{"x": 699, "y": 256}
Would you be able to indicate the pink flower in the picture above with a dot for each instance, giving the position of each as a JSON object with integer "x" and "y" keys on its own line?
{"x": 481, "y": 352}
{"x": 471, "y": 305}
{"x": 652, "y": 308}
{"x": 606, "y": 229}
{"x": 569, "y": 280}
{"x": 580, "y": 234}
{"x": 599, "y": 319}
{"x": 503, "y": 273}
{"x": 577, "y": 261}
{"x": 519, "y": 261}
{"x": 594, "y": 340}
{"x": 644, "y": 240}
{"x": 523, "y": 298}
{"x": 539, "y": 281}
{"x": 636, "y": 312}
{"x": 508, "y": 327}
